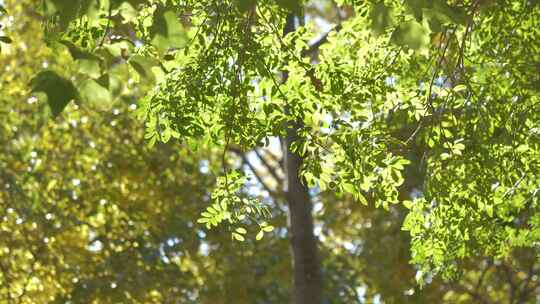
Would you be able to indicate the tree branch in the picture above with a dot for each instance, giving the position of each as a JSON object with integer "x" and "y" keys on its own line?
{"x": 274, "y": 157}
{"x": 269, "y": 167}
{"x": 260, "y": 179}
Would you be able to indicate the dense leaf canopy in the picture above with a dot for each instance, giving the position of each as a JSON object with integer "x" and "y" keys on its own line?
{"x": 424, "y": 112}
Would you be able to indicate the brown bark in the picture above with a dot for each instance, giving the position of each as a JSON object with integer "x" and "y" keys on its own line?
{"x": 307, "y": 269}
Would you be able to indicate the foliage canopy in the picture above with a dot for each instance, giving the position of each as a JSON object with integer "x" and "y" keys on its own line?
{"x": 446, "y": 91}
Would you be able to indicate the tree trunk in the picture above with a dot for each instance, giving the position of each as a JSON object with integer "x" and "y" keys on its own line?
{"x": 307, "y": 269}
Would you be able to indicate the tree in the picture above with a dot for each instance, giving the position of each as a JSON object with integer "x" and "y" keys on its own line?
{"x": 396, "y": 92}
{"x": 90, "y": 213}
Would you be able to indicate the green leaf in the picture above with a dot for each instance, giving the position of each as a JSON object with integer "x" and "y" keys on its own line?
{"x": 412, "y": 35}
{"x": 89, "y": 67}
{"x": 408, "y": 204}
{"x": 381, "y": 18}
{"x": 5, "y": 39}
{"x": 167, "y": 32}
{"x": 241, "y": 230}
{"x": 293, "y": 6}
{"x": 76, "y": 52}
{"x": 212, "y": 210}
{"x": 436, "y": 11}
{"x": 67, "y": 10}
{"x": 133, "y": 3}
{"x": 59, "y": 91}
{"x": 416, "y": 7}
{"x": 259, "y": 235}
{"x": 460, "y": 87}
{"x": 349, "y": 188}
{"x": 238, "y": 237}
{"x": 267, "y": 228}
{"x": 361, "y": 198}
{"x": 143, "y": 66}
{"x": 94, "y": 93}
{"x": 445, "y": 13}
{"x": 87, "y": 62}
{"x": 489, "y": 210}
{"x": 244, "y": 5}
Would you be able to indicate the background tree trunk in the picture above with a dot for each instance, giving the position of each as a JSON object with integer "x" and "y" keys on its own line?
{"x": 307, "y": 269}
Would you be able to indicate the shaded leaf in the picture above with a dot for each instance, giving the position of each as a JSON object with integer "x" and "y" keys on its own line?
{"x": 5, "y": 39}
{"x": 381, "y": 18}
{"x": 167, "y": 32}
{"x": 245, "y": 5}
{"x": 294, "y": 6}
{"x": 78, "y": 53}
{"x": 417, "y": 7}
{"x": 412, "y": 35}
{"x": 93, "y": 92}
{"x": 59, "y": 90}
{"x": 143, "y": 66}
{"x": 68, "y": 10}
{"x": 87, "y": 62}
{"x": 448, "y": 14}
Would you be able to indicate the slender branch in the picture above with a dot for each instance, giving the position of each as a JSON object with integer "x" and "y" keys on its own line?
{"x": 269, "y": 167}
{"x": 256, "y": 173}
{"x": 274, "y": 157}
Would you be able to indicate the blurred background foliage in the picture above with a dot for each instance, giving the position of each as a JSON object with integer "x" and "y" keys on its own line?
{"x": 90, "y": 214}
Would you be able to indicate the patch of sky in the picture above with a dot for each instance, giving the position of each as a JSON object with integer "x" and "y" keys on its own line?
{"x": 204, "y": 249}
{"x": 390, "y": 81}
{"x": 416, "y": 193}
{"x": 361, "y": 293}
{"x": 204, "y": 167}
{"x": 163, "y": 254}
{"x": 318, "y": 207}
{"x": 95, "y": 246}
{"x": 314, "y": 191}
